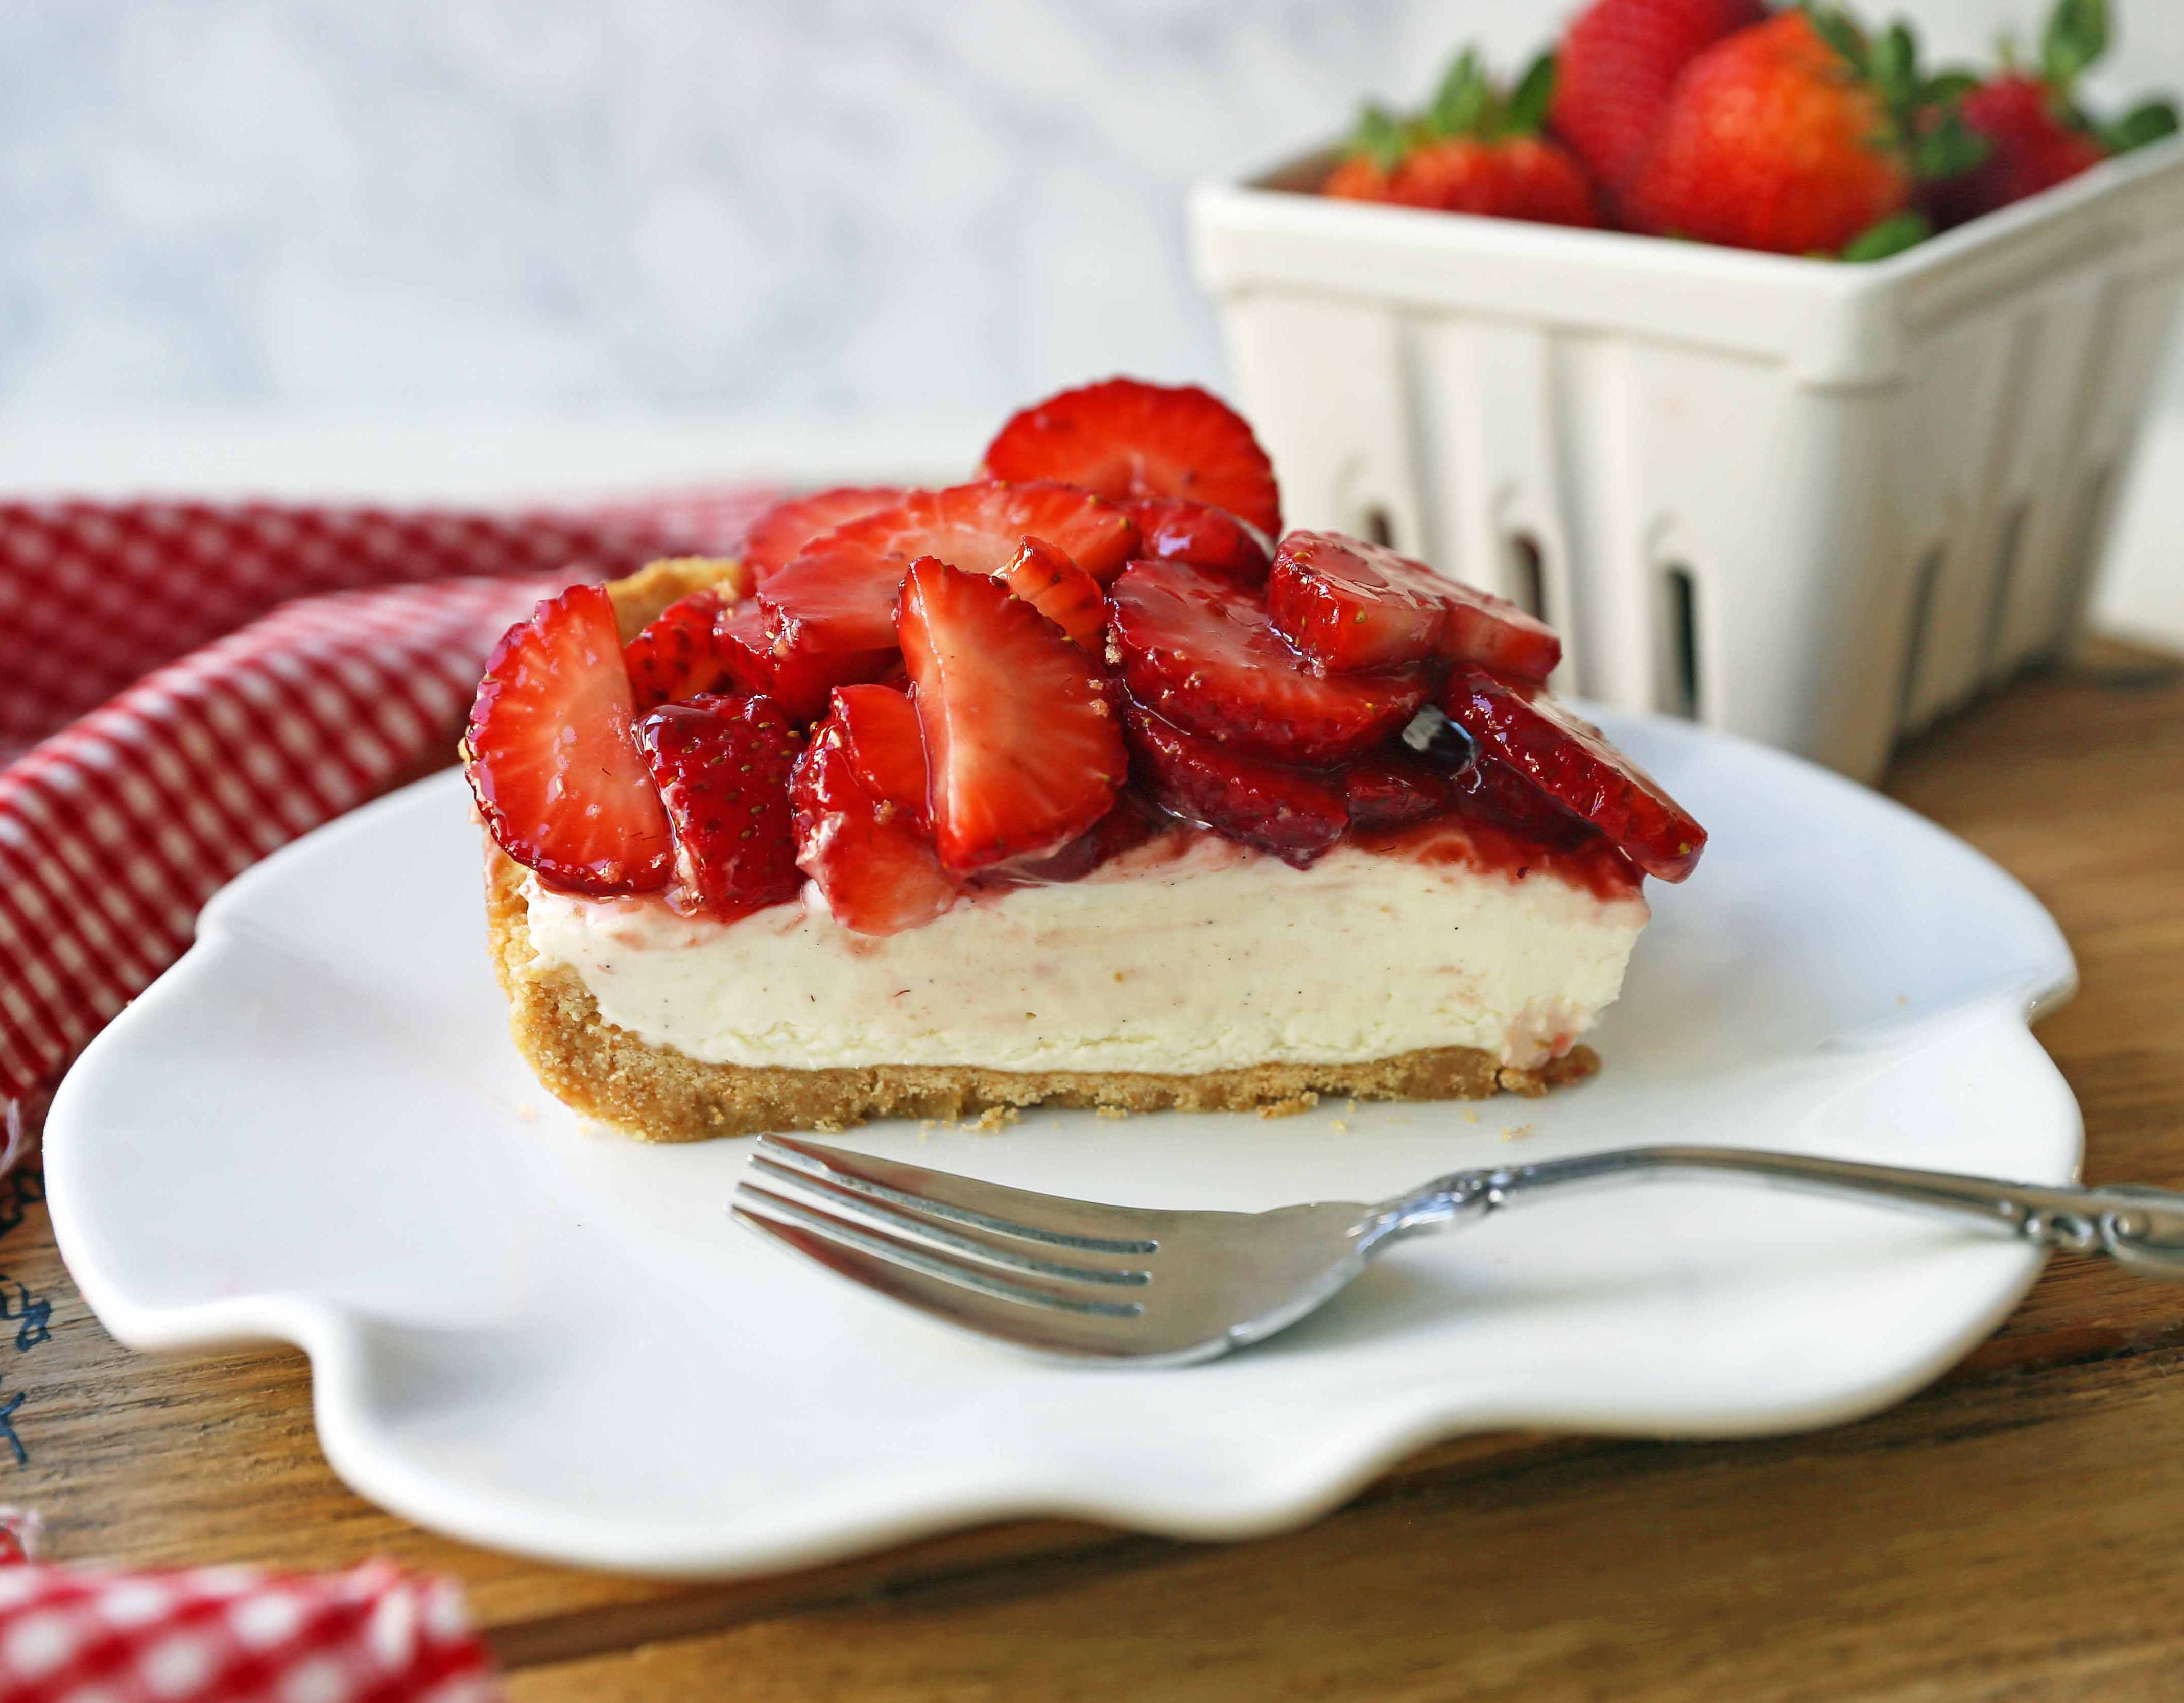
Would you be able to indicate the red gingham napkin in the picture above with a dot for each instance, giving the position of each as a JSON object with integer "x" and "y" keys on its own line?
{"x": 183, "y": 688}
{"x": 185, "y": 685}
{"x": 372, "y": 1634}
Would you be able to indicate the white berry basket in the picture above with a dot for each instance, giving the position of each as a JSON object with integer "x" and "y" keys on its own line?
{"x": 1816, "y": 503}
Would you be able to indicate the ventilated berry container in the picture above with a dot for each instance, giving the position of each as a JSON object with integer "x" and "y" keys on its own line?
{"x": 1814, "y": 502}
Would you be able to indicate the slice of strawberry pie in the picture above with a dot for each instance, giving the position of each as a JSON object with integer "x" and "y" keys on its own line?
{"x": 1061, "y": 785}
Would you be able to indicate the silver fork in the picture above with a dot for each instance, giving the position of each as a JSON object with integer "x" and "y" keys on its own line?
{"x": 1087, "y": 1284}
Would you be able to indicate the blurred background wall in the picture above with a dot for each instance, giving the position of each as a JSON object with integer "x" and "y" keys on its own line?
{"x": 761, "y": 209}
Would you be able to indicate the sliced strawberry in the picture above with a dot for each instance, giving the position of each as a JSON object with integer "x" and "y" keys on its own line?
{"x": 1348, "y": 604}
{"x": 777, "y": 535}
{"x": 875, "y": 865}
{"x": 1570, "y": 760}
{"x": 721, "y": 765}
{"x": 553, "y": 758}
{"x": 1129, "y": 824}
{"x": 1294, "y": 813}
{"x": 675, "y": 657}
{"x": 739, "y": 638}
{"x": 1124, "y": 437}
{"x": 1046, "y": 579}
{"x": 1489, "y": 790}
{"x": 1201, "y": 651}
{"x": 800, "y": 682}
{"x": 839, "y": 593}
{"x": 1021, "y": 743}
{"x": 886, "y": 748}
{"x": 1174, "y": 529}
{"x": 1386, "y": 789}
{"x": 1480, "y": 786}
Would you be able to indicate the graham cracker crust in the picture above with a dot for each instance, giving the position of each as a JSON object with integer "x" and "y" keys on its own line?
{"x": 659, "y": 1093}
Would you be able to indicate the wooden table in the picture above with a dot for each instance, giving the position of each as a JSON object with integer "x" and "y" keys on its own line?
{"x": 2016, "y": 1533}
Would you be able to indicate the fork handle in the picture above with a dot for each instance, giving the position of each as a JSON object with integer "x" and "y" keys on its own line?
{"x": 2142, "y": 1229}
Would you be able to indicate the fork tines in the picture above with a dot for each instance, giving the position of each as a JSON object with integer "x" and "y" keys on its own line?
{"x": 951, "y": 1245}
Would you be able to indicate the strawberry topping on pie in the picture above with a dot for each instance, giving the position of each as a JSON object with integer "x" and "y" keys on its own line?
{"x": 1046, "y": 579}
{"x": 937, "y": 696}
{"x": 778, "y": 535}
{"x": 721, "y": 765}
{"x": 1126, "y": 438}
{"x": 675, "y": 657}
{"x": 1203, "y": 653}
{"x": 839, "y": 593}
{"x": 858, "y": 796}
{"x": 1296, "y": 813}
{"x": 1174, "y": 529}
{"x": 798, "y": 681}
{"x": 1022, "y": 750}
{"x": 553, "y": 756}
{"x": 1570, "y": 760}
{"x": 1348, "y": 604}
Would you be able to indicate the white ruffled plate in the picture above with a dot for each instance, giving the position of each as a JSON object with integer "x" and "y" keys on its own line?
{"x": 315, "y": 1129}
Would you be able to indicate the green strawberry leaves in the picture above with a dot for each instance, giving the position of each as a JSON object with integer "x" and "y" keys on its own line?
{"x": 1924, "y": 128}
{"x": 1947, "y": 146}
{"x": 1838, "y": 32}
{"x": 1891, "y": 236}
{"x": 1467, "y": 102}
{"x": 1527, "y": 111}
{"x": 1380, "y": 137}
{"x": 2077, "y": 35}
{"x": 1470, "y": 103}
{"x": 2147, "y": 122}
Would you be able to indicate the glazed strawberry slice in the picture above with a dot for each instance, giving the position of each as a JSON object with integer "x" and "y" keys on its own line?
{"x": 1174, "y": 529}
{"x": 1348, "y": 604}
{"x": 1528, "y": 729}
{"x": 855, "y": 795}
{"x": 1388, "y": 789}
{"x": 552, "y": 755}
{"x": 1128, "y": 825}
{"x": 721, "y": 765}
{"x": 1201, "y": 651}
{"x": 675, "y": 657}
{"x": 885, "y": 743}
{"x": 1124, "y": 437}
{"x": 1489, "y": 790}
{"x": 839, "y": 593}
{"x": 777, "y": 535}
{"x": 799, "y": 682}
{"x": 1021, "y": 743}
{"x": 1047, "y": 580}
{"x": 1294, "y": 813}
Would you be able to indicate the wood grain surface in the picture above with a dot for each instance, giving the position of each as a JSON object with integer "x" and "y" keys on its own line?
{"x": 2016, "y": 1533}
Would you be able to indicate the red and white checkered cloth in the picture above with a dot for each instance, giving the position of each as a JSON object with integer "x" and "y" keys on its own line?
{"x": 185, "y": 686}
{"x": 372, "y": 1634}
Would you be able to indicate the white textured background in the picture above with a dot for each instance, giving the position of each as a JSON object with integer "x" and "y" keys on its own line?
{"x": 755, "y": 209}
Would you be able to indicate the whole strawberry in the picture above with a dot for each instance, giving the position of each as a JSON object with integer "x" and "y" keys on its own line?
{"x": 2034, "y": 145}
{"x": 1476, "y": 149}
{"x": 2036, "y": 135}
{"x": 1776, "y": 139}
{"x": 1614, "y": 72}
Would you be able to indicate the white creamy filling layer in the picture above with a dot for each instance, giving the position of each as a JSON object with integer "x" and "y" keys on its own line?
{"x": 1216, "y": 958}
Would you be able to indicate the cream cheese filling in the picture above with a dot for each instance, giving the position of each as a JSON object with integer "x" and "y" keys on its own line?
{"x": 1187, "y": 955}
